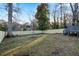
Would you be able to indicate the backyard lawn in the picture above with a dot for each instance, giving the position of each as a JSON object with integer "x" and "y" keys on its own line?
{"x": 41, "y": 45}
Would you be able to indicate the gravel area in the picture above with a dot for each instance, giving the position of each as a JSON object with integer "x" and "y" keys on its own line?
{"x": 52, "y": 45}
{"x": 13, "y": 42}
{"x": 55, "y": 45}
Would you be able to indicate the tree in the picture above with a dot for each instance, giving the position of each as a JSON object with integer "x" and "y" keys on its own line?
{"x": 34, "y": 24}
{"x": 42, "y": 16}
{"x": 74, "y": 9}
{"x": 57, "y": 23}
{"x": 52, "y": 25}
{"x": 54, "y": 16}
{"x": 61, "y": 11}
{"x": 10, "y": 11}
{"x": 64, "y": 23}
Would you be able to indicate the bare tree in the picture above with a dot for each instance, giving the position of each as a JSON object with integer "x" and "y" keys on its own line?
{"x": 74, "y": 8}
{"x": 54, "y": 14}
{"x": 61, "y": 8}
{"x": 10, "y": 7}
{"x": 64, "y": 20}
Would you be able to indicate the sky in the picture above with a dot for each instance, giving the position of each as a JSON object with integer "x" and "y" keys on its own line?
{"x": 27, "y": 11}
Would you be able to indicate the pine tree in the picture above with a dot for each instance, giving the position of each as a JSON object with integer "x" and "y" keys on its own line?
{"x": 42, "y": 16}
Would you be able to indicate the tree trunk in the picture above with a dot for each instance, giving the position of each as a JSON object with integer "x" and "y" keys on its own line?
{"x": 10, "y": 19}
{"x": 54, "y": 20}
{"x": 64, "y": 20}
{"x": 61, "y": 14}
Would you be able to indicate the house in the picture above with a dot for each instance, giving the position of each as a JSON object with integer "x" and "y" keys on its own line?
{"x": 26, "y": 26}
{"x": 16, "y": 26}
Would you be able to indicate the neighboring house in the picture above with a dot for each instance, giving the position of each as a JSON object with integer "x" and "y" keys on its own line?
{"x": 26, "y": 26}
{"x": 16, "y": 26}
